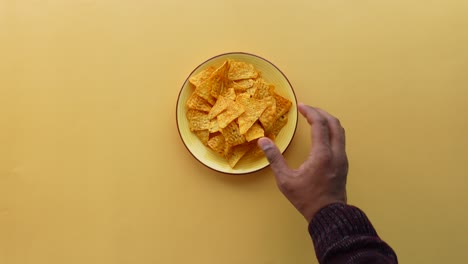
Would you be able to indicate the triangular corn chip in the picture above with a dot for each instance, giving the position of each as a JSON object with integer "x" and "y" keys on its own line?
{"x": 237, "y": 153}
{"x": 254, "y": 132}
{"x": 245, "y": 84}
{"x": 229, "y": 94}
{"x": 221, "y": 104}
{"x": 231, "y": 134}
{"x": 278, "y": 125}
{"x": 198, "y": 103}
{"x": 282, "y": 105}
{"x": 268, "y": 116}
{"x": 239, "y": 70}
{"x": 197, "y": 120}
{"x": 214, "y": 126}
{"x": 233, "y": 111}
{"x": 204, "y": 91}
{"x": 201, "y": 76}
{"x": 217, "y": 143}
{"x": 218, "y": 79}
{"x": 262, "y": 89}
{"x": 203, "y": 135}
{"x": 253, "y": 110}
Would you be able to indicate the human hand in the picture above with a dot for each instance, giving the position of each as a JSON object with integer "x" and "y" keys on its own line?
{"x": 321, "y": 179}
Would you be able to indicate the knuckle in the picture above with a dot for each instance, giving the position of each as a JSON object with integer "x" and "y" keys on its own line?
{"x": 343, "y": 168}
{"x": 275, "y": 156}
{"x": 345, "y": 165}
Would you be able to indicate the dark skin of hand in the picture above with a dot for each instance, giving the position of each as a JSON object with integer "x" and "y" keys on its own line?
{"x": 321, "y": 179}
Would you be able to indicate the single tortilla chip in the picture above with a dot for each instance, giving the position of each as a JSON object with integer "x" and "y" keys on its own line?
{"x": 278, "y": 125}
{"x": 230, "y": 94}
{"x": 271, "y": 136}
{"x": 262, "y": 89}
{"x": 198, "y": 103}
{"x": 197, "y": 120}
{"x": 217, "y": 143}
{"x": 233, "y": 111}
{"x": 242, "y": 85}
{"x": 255, "y": 131}
{"x": 237, "y": 153}
{"x": 203, "y": 135}
{"x": 202, "y": 76}
{"x": 204, "y": 91}
{"x": 218, "y": 80}
{"x": 251, "y": 91}
{"x": 221, "y": 104}
{"x": 245, "y": 84}
{"x": 268, "y": 117}
{"x": 227, "y": 150}
{"x": 283, "y": 105}
{"x": 214, "y": 126}
{"x": 253, "y": 110}
{"x": 242, "y": 98}
{"x": 231, "y": 134}
{"x": 192, "y": 113}
{"x": 217, "y": 86}
{"x": 239, "y": 70}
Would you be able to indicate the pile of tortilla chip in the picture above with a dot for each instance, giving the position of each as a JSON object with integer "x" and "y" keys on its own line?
{"x": 231, "y": 107}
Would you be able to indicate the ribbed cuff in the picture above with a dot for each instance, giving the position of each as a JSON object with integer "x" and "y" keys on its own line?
{"x": 336, "y": 222}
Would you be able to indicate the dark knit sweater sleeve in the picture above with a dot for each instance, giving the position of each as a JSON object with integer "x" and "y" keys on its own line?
{"x": 343, "y": 234}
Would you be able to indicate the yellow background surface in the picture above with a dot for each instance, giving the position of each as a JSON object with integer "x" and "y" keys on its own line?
{"x": 92, "y": 169}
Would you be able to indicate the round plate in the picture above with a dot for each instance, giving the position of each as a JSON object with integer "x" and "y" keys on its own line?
{"x": 271, "y": 74}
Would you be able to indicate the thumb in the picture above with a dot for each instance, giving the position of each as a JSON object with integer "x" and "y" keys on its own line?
{"x": 274, "y": 156}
